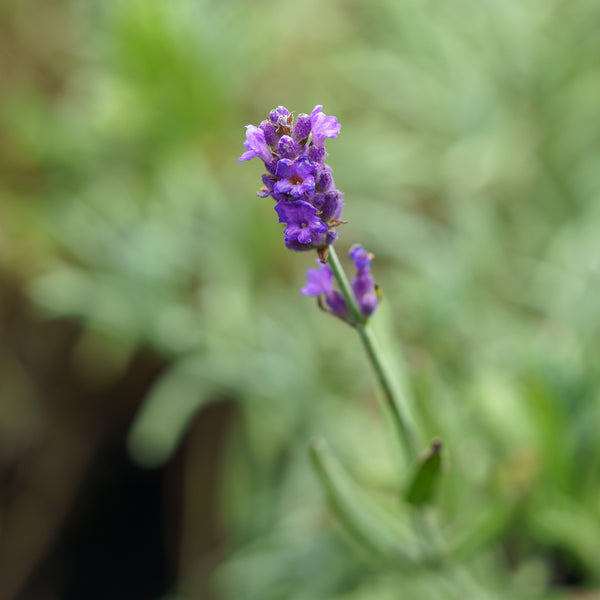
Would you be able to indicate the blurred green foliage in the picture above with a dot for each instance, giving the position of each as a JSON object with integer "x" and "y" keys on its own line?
{"x": 469, "y": 158}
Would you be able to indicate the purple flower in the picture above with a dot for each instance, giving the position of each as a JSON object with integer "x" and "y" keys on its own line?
{"x": 317, "y": 153}
{"x": 270, "y": 132}
{"x": 320, "y": 281}
{"x": 332, "y": 206}
{"x": 267, "y": 189}
{"x": 320, "y": 240}
{"x": 296, "y": 177}
{"x": 322, "y": 126}
{"x": 361, "y": 258}
{"x": 301, "y": 129}
{"x": 323, "y": 178}
{"x": 256, "y": 145}
{"x": 331, "y": 236}
{"x": 277, "y": 113}
{"x": 363, "y": 284}
{"x": 303, "y": 226}
{"x": 287, "y": 147}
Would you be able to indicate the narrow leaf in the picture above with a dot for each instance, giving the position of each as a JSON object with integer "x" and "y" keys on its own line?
{"x": 426, "y": 477}
{"x": 167, "y": 410}
{"x": 357, "y": 514}
{"x": 482, "y": 528}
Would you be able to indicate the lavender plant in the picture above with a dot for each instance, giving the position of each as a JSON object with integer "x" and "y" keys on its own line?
{"x": 309, "y": 204}
{"x": 297, "y": 177}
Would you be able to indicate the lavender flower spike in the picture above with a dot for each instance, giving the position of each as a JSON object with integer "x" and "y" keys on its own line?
{"x": 363, "y": 285}
{"x": 320, "y": 282}
{"x": 297, "y": 178}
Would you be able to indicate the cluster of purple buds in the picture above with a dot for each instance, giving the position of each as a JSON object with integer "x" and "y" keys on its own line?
{"x": 297, "y": 178}
{"x": 364, "y": 288}
{"x": 307, "y": 201}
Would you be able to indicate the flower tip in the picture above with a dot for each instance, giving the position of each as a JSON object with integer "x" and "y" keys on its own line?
{"x": 359, "y": 255}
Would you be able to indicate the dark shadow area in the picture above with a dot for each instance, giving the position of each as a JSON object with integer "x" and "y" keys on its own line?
{"x": 113, "y": 543}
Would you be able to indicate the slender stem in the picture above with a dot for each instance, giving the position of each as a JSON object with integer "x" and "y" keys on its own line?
{"x": 385, "y": 381}
{"x": 382, "y": 371}
{"x": 458, "y": 580}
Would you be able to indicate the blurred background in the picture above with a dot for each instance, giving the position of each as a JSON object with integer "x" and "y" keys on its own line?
{"x": 160, "y": 375}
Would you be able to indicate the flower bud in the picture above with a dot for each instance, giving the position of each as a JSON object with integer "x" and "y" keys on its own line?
{"x": 331, "y": 236}
{"x": 324, "y": 179}
{"x": 269, "y": 130}
{"x": 301, "y": 129}
{"x": 287, "y": 147}
{"x": 280, "y": 111}
{"x": 317, "y": 153}
{"x": 363, "y": 285}
{"x": 332, "y": 206}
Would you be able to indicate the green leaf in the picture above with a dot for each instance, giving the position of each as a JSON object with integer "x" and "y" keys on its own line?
{"x": 167, "y": 411}
{"x": 427, "y": 475}
{"x": 364, "y": 521}
{"x": 480, "y": 528}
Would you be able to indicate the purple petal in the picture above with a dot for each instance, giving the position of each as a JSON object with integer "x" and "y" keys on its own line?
{"x": 320, "y": 281}
{"x": 308, "y": 185}
{"x": 287, "y": 147}
{"x": 337, "y": 304}
{"x": 283, "y": 186}
{"x": 304, "y": 166}
{"x": 331, "y": 236}
{"x": 296, "y": 211}
{"x": 305, "y": 236}
{"x": 268, "y": 129}
{"x": 297, "y": 191}
{"x": 332, "y": 206}
{"x": 317, "y": 153}
{"x": 368, "y": 304}
{"x": 248, "y": 155}
{"x": 317, "y": 200}
{"x": 291, "y": 232}
{"x": 280, "y": 111}
{"x": 285, "y": 168}
{"x": 324, "y": 179}
{"x": 302, "y": 127}
{"x": 363, "y": 285}
{"x": 323, "y": 126}
{"x": 255, "y": 145}
{"x": 361, "y": 258}
{"x": 304, "y": 227}
{"x": 311, "y": 289}
{"x": 316, "y": 110}
{"x": 296, "y": 179}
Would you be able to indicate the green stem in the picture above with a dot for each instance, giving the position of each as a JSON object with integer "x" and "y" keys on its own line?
{"x": 458, "y": 580}
{"x": 382, "y": 371}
